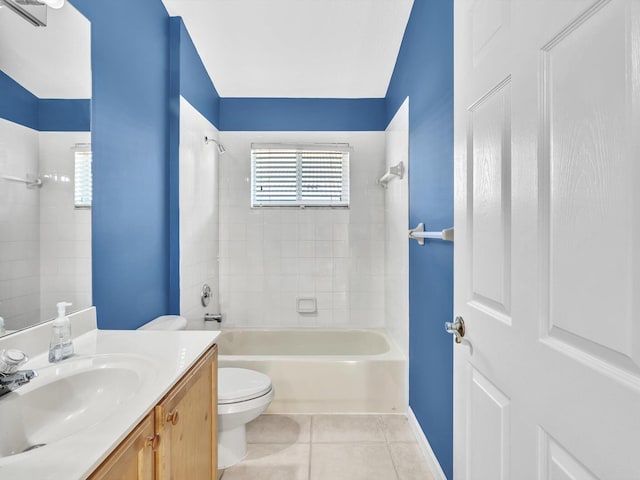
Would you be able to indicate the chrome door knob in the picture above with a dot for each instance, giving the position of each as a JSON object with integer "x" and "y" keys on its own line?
{"x": 456, "y": 328}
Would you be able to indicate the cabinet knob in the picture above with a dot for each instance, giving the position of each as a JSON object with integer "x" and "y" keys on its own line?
{"x": 152, "y": 441}
{"x": 173, "y": 417}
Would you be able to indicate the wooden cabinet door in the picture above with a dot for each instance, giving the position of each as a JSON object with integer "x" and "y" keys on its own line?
{"x": 133, "y": 458}
{"x": 186, "y": 420}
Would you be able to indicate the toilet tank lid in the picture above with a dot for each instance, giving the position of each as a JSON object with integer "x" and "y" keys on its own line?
{"x": 241, "y": 384}
{"x": 166, "y": 322}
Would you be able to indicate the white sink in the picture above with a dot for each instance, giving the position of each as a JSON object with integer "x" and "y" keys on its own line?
{"x": 69, "y": 397}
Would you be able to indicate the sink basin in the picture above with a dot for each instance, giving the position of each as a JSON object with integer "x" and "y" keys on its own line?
{"x": 67, "y": 398}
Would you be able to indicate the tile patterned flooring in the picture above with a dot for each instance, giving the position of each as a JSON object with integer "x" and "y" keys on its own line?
{"x": 330, "y": 447}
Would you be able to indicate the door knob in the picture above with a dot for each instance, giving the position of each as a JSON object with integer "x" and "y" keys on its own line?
{"x": 456, "y": 328}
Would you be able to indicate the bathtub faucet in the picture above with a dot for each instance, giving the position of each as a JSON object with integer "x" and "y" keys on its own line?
{"x": 208, "y": 317}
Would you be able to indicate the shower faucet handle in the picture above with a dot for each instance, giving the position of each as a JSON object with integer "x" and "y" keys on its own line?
{"x": 205, "y": 295}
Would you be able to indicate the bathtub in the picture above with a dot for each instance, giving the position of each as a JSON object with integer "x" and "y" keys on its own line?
{"x": 322, "y": 371}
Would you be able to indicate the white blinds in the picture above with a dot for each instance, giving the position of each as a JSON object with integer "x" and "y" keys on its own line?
{"x": 299, "y": 177}
{"x": 83, "y": 184}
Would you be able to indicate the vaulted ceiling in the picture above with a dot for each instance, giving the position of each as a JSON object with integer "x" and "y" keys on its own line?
{"x": 296, "y": 48}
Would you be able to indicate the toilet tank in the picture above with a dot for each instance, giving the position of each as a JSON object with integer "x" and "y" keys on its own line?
{"x": 166, "y": 322}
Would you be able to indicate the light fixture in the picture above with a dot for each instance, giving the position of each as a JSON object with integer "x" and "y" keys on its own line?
{"x": 53, "y": 3}
{"x": 221, "y": 148}
{"x": 33, "y": 11}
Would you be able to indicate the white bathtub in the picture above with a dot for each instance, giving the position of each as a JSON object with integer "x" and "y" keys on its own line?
{"x": 322, "y": 371}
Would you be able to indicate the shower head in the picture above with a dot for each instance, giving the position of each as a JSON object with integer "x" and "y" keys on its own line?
{"x": 221, "y": 148}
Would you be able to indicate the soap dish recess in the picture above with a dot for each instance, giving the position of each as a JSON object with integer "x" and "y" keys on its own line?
{"x": 306, "y": 305}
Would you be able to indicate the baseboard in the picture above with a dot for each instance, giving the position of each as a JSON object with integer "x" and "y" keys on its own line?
{"x": 427, "y": 451}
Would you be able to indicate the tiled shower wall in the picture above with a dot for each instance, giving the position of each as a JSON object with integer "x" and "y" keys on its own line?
{"x": 45, "y": 243}
{"x": 271, "y": 256}
{"x": 65, "y": 231}
{"x": 396, "y": 226}
{"x": 199, "y": 211}
{"x": 19, "y": 227}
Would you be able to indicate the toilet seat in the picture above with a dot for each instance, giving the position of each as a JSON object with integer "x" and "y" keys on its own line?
{"x": 240, "y": 385}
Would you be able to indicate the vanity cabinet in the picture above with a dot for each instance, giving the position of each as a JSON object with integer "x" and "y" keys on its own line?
{"x": 133, "y": 459}
{"x": 178, "y": 439}
{"x": 186, "y": 420}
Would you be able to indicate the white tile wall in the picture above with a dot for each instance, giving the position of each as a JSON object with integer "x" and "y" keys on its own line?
{"x": 45, "y": 245}
{"x": 65, "y": 232}
{"x": 271, "y": 256}
{"x": 396, "y": 255}
{"x": 199, "y": 211}
{"x": 19, "y": 227}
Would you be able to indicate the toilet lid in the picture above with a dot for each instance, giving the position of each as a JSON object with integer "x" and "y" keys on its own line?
{"x": 166, "y": 322}
{"x": 240, "y": 384}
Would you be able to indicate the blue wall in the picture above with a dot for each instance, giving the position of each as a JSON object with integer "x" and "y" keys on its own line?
{"x": 130, "y": 135}
{"x": 195, "y": 84}
{"x": 20, "y": 106}
{"x": 424, "y": 73}
{"x": 61, "y": 115}
{"x": 302, "y": 114}
{"x": 135, "y": 210}
{"x": 17, "y": 104}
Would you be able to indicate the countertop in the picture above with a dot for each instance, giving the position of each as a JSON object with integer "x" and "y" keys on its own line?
{"x": 170, "y": 355}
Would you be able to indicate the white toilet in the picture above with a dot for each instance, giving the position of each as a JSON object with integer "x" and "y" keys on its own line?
{"x": 242, "y": 396}
{"x": 166, "y": 322}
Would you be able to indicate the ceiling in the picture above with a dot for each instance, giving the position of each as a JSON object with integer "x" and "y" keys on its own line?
{"x": 52, "y": 61}
{"x": 296, "y": 48}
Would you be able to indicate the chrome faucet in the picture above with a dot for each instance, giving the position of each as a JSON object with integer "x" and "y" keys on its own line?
{"x": 208, "y": 317}
{"x": 10, "y": 377}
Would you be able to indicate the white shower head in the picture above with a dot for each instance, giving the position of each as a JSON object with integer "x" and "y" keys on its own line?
{"x": 221, "y": 148}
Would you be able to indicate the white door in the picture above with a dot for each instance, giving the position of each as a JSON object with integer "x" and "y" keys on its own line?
{"x": 547, "y": 253}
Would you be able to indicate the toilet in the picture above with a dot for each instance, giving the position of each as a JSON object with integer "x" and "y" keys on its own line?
{"x": 242, "y": 396}
{"x": 166, "y": 322}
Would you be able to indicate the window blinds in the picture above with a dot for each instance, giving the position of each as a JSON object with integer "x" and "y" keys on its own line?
{"x": 83, "y": 184}
{"x": 300, "y": 177}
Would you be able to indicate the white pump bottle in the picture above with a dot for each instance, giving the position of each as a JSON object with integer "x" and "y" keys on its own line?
{"x": 61, "y": 345}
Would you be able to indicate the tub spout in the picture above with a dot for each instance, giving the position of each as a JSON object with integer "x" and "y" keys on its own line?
{"x": 208, "y": 317}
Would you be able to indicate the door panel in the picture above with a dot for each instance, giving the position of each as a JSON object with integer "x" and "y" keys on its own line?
{"x": 490, "y": 201}
{"x": 558, "y": 464}
{"x": 588, "y": 191}
{"x": 488, "y": 437}
{"x": 547, "y": 253}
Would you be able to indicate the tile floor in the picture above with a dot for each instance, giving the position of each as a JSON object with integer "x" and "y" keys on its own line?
{"x": 330, "y": 447}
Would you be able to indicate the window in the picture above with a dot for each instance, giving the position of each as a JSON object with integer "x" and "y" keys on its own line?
{"x": 290, "y": 175}
{"x": 83, "y": 185}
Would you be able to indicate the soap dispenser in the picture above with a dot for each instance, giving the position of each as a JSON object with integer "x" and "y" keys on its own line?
{"x": 61, "y": 345}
